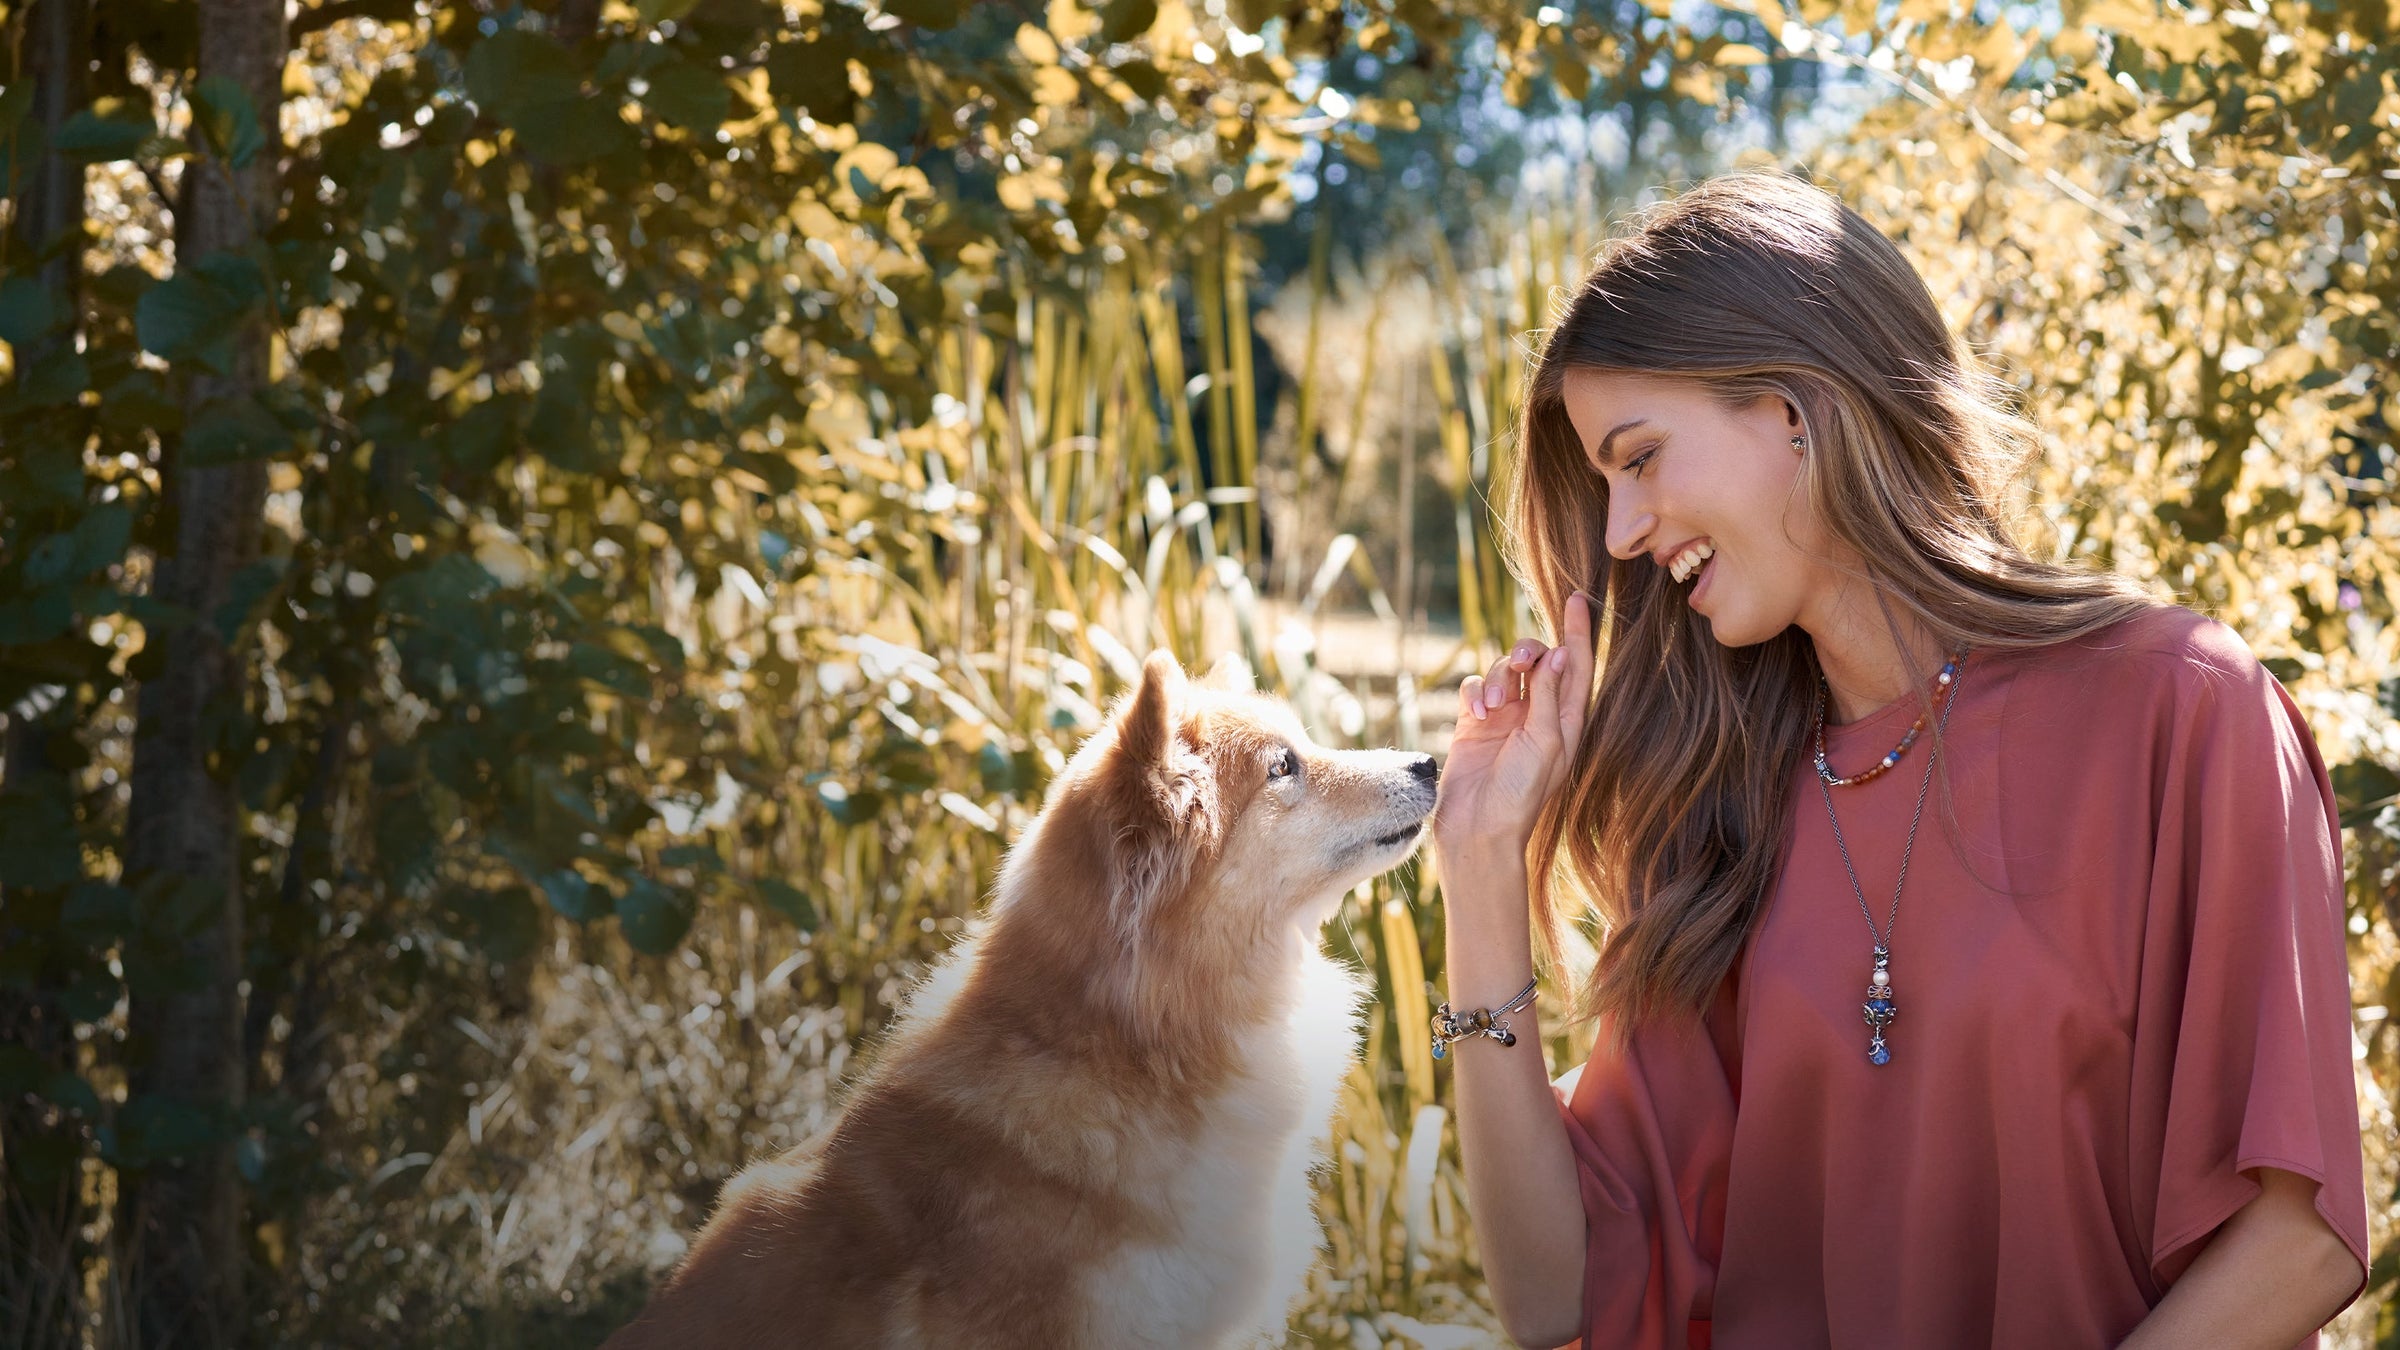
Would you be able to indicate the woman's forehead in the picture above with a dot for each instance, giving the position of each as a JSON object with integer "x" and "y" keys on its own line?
{"x": 1606, "y": 405}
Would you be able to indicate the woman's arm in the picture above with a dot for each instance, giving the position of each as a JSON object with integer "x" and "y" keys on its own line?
{"x": 2273, "y": 1274}
{"x": 1522, "y": 1187}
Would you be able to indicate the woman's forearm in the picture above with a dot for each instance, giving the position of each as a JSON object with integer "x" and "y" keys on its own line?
{"x": 2273, "y": 1273}
{"x": 1520, "y": 1169}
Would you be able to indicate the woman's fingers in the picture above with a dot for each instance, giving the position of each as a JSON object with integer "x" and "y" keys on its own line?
{"x": 1500, "y": 683}
{"x": 1542, "y": 688}
{"x": 1575, "y": 684}
{"x": 1479, "y": 696}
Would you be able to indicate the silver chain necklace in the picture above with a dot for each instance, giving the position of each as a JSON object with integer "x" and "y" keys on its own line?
{"x": 1878, "y": 1008}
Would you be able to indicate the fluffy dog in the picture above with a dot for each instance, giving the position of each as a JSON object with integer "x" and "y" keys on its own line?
{"x": 1095, "y": 1122}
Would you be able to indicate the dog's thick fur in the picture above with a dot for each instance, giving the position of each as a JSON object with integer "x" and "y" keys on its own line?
{"x": 1094, "y": 1124}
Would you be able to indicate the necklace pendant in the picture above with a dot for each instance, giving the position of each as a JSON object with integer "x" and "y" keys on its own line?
{"x": 1878, "y": 1008}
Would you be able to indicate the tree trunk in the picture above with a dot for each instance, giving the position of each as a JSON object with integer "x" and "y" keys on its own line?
{"x": 184, "y": 1213}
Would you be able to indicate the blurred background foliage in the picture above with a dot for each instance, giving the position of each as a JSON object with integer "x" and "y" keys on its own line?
{"x": 547, "y": 550}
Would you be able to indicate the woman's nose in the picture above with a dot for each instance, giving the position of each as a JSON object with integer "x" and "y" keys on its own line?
{"x": 1626, "y": 534}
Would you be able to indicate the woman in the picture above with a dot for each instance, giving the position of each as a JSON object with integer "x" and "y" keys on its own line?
{"x": 2071, "y": 1070}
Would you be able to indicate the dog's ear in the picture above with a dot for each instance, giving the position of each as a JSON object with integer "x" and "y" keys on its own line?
{"x": 1232, "y": 674}
{"x": 1148, "y": 732}
{"x": 1162, "y": 801}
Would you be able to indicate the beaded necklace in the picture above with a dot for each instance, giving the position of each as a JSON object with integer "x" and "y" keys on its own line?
{"x": 1878, "y": 1007}
{"x": 1825, "y": 771}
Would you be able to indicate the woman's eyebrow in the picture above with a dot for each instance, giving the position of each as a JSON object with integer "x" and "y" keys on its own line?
{"x": 1607, "y": 456}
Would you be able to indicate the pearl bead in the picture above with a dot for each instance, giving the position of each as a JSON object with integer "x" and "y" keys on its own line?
{"x": 1882, "y": 978}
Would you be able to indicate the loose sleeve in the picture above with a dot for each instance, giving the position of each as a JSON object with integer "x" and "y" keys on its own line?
{"x": 1652, "y": 1131}
{"x": 2242, "y": 1055}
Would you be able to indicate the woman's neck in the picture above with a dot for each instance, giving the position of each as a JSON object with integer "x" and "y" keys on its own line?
{"x": 1864, "y": 671}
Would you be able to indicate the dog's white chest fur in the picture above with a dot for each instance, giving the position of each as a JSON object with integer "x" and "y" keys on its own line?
{"x": 1245, "y": 1228}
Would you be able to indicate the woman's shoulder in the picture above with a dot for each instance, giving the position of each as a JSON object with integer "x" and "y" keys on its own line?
{"x": 2164, "y": 667}
{"x": 2161, "y": 646}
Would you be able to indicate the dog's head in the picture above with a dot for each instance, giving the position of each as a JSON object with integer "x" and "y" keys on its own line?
{"x": 1201, "y": 829}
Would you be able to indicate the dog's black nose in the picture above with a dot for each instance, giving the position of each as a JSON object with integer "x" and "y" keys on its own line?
{"x": 1423, "y": 766}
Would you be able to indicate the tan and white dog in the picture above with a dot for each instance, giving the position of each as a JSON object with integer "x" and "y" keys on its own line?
{"x": 1094, "y": 1124}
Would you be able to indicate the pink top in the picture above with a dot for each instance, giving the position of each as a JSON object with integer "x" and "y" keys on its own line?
{"x": 2081, "y": 1072}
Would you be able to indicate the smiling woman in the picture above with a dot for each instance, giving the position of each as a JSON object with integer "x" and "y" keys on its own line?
{"x": 2120, "y": 1100}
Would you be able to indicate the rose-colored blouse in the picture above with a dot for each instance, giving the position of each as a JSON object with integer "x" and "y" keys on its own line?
{"x": 2142, "y": 998}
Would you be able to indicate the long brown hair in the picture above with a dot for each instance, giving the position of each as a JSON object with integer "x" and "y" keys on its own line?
{"x": 1672, "y": 820}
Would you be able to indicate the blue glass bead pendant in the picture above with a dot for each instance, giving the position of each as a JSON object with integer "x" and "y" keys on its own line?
{"x": 1878, "y": 1008}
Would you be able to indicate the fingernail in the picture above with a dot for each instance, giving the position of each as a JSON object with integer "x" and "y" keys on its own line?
{"x": 1557, "y": 657}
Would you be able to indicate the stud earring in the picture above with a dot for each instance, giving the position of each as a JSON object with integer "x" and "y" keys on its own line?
{"x": 1800, "y": 442}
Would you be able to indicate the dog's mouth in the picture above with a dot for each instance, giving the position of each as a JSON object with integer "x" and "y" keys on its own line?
{"x": 1400, "y": 836}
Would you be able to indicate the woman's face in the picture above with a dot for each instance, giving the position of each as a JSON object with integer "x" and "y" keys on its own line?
{"x": 1682, "y": 468}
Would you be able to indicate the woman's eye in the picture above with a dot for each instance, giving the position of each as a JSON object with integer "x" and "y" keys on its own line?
{"x": 1634, "y": 467}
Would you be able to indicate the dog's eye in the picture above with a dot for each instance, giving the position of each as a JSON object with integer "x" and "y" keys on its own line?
{"x": 1284, "y": 765}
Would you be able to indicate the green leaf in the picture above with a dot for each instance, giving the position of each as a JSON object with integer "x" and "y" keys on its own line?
{"x": 189, "y": 317}
{"x": 97, "y": 540}
{"x": 688, "y": 96}
{"x": 15, "y": 102}
{"x": 513, "y": 71}
{"x": 153, "y": 1129}
{"x": 246, "y": 597}
{"x": 227, "y": 120}
{"x": 38, "y": 846}
{"x": 25, "y": 310}
{"x": 790, "y": 902}
{"x": 574, "y": 897}
{"x": 483, "y": 433}
{"x": 97, "y": 913}
{"x": 654, "y": 918}
{"x": 69, "y": 1090}
{"x": 531, "y": 85}
{"x": 230, "y": 431}
{"x": 91, "y": 993}
{"x": 34, "y": 618}
{"x": 111, "y": 129}
{"x": 506, "y": 924}
{"x": 577, "y": 132}
{"x": 813, "y": 77}
{"x": 57, "y": 378}
{"x": 237, "y": 274}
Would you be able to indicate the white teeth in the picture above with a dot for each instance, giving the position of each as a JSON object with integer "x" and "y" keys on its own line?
{"x": 1690, "y": 559}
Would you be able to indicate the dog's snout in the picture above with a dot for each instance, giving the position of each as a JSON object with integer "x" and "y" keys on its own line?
{"x": 1425, "y": 767}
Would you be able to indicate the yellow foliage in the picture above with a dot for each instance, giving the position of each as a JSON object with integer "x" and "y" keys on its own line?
{"x": 1071, "y": 22}
{"x": 1037, "y": 45}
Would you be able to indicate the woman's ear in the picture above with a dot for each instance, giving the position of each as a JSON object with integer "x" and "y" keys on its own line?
{"x": 1795, "y": 427}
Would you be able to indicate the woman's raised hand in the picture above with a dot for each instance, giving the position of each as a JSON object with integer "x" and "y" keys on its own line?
{"x": 1510, "y": 750}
